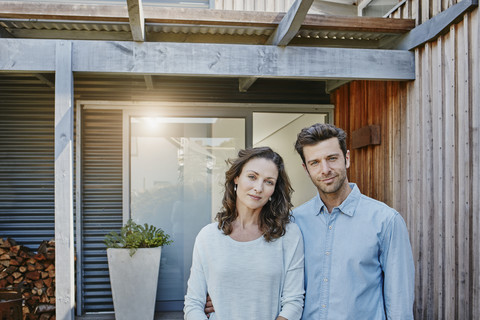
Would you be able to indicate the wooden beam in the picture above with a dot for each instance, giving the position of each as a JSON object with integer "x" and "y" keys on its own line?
{"x": 72, "y": 34}
{"x": 64, "y": 244}
{"x": 206, "y": 59}
{"x": 136, "y": 18}
{"x": 435, "y": 27}
{"x": 44, "y": 80}
{"x": 148, "y": 82}
{"x": 119, "y": 13}
{"x": 283, "y": 34}
{"x": 245, "y": 83}
{"x": 360, "y": 24}
{"x": 334, "y": 84}
{"x": 27, "y": 55}
{"x": 290, "y": 24}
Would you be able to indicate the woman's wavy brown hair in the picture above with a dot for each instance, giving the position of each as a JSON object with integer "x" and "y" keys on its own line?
{"x": 276, "y": 213}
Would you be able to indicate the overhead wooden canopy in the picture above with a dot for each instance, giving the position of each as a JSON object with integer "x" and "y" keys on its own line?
{"x": 248, "y": 61}
{"x": 188, "y": 16}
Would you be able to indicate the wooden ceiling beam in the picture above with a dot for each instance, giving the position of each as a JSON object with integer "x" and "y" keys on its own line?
{"x": 136, "y": 19}
{"x": 286, "y": 30}
{"x": 207, "y": 59}
{"x": 119, "y": 13}
{"x": 290, "y": 24}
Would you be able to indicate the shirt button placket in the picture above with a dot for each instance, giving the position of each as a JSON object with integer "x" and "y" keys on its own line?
{"x": 327, "y": 266}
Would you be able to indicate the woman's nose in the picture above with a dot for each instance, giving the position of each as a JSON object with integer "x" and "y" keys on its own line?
{"x": 258, "y": 187}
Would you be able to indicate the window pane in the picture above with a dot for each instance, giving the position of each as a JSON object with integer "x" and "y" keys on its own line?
{"x": 177, "y": 174}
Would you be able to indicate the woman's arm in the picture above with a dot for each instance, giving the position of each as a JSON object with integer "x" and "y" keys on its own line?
{"x": 197, "y": 288}
{"x": 293, "y": 288}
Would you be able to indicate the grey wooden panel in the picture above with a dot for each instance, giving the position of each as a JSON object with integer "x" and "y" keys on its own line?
{"x": 203, "y": 59}
{"x": 64, "y": 243}
{"x": 242, "y": 60}
{"x": 27, "y": 55}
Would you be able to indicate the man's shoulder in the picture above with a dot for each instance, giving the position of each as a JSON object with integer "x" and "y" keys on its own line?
{"x": 371, "y": 205}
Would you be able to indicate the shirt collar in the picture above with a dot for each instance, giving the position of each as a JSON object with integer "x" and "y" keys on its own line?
{"x": 347, "y": 207}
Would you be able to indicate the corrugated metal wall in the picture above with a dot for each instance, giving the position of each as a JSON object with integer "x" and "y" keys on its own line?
{"x": 26, "y": 171}
{"x": 431, "y": 139}
{"x": 102, "y": 201}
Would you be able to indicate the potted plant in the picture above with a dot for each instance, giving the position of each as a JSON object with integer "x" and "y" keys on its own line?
{"x": 134, "y": 262}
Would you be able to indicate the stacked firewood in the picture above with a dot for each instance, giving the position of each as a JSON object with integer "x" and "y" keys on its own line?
{"x": 32, "y": 274}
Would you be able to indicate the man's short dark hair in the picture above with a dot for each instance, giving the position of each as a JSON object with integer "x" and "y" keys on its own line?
{"x": 319, "y": 132}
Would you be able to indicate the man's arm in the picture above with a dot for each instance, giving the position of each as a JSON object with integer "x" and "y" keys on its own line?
{"x": 209, "y": 306}
{"x": 399, "y": 271}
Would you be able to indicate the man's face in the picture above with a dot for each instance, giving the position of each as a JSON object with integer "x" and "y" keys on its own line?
{"x": 326, "y": 166}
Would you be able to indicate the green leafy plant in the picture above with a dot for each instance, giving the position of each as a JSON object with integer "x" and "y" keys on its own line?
{"x": 133, "y": 236}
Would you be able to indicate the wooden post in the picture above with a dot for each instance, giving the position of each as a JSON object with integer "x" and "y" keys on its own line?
{"x": 64, "y": 258}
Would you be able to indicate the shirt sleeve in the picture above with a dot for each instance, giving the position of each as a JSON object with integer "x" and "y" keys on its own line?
{"x": 293, "y": 289}
{"x": 197, "y": 288}
{"x": 399, "y": 271}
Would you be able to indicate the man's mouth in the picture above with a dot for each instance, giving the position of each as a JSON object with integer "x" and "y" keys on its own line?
{"x": 328, "y": 180}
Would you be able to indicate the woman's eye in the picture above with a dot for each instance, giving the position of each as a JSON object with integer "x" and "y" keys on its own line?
{"x": 270, "y": 183}
{"x": 251, "y": 177}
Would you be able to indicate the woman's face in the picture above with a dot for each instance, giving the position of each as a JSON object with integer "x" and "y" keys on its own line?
{"x": 256, "y": 183}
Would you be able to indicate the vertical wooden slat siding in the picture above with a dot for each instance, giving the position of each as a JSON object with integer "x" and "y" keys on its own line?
{"x": 463, "y": 224}
{"x": 414, "y": 199}
{"x": 474, "y": 137}
{"x": 438, "y": 196}
{"x": 428, "y": 164}
{"x": 450, "y": 163}
{"x": 430, "y": 155}
{"x": 426, "y": 181}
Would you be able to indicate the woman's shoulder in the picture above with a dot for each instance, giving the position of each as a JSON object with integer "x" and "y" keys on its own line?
{"x": 208, "y": 231}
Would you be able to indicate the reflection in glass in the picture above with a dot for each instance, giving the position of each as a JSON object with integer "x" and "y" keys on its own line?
{"x": 176, "y": 182}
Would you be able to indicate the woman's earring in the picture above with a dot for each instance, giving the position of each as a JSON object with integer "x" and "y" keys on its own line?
{"x": 270, "y": 199}
{"x": 235, "y": 188}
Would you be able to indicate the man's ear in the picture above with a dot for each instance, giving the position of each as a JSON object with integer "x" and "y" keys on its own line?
{"x": 347, "y": 159}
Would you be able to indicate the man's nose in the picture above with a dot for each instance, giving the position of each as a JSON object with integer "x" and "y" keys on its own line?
{"x": 324, "y": 167}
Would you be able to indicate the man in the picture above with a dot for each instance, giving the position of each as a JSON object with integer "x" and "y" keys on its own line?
{"x": 358, "y": 259}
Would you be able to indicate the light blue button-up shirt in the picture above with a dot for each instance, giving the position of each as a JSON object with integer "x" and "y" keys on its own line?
{"x": 358, "y": 260}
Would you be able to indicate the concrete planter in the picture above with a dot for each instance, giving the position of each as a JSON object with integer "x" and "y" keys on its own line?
{"x": 134, "y": 282}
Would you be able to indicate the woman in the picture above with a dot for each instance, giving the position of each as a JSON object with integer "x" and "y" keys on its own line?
{"x": 251, "y": 260}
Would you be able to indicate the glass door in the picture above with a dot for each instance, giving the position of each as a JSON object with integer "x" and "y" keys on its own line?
{"x": 177, "y": 168}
